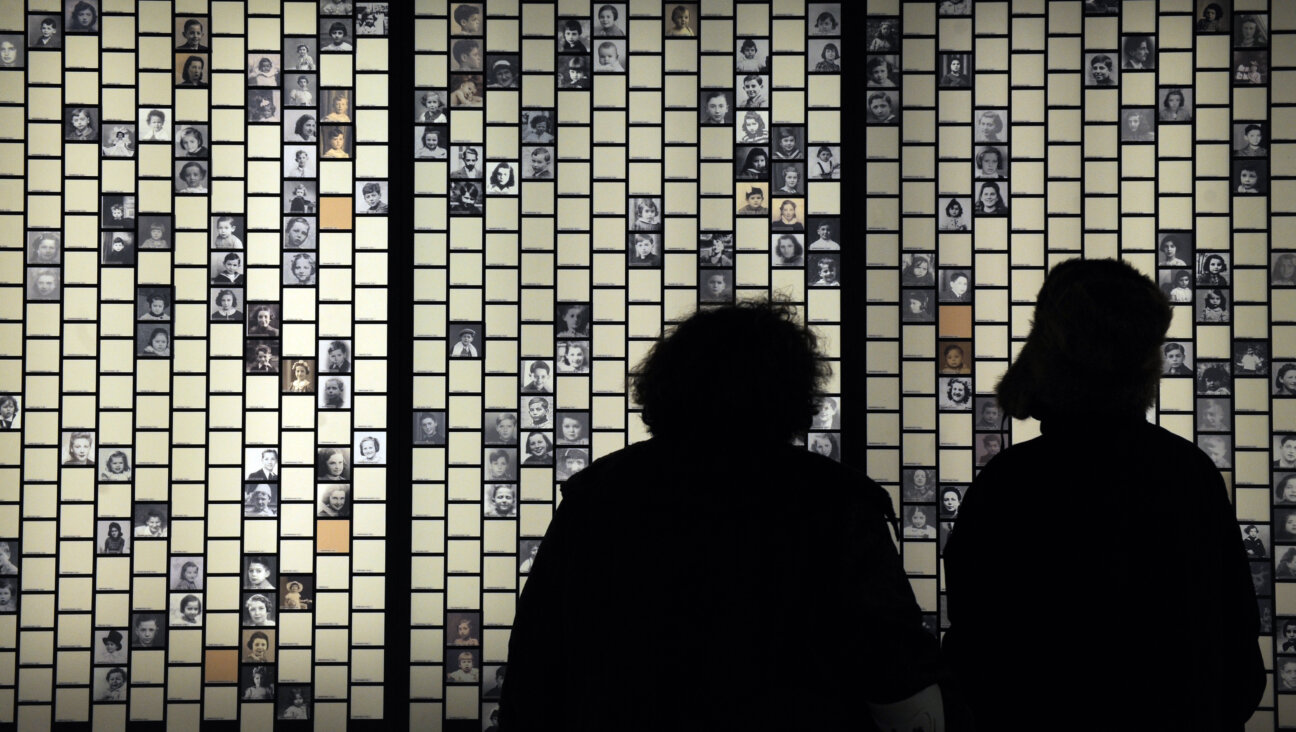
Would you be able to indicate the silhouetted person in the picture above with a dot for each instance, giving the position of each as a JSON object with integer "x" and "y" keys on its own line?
{"x": 1070, "y": 627}
{"x": 716, "y": 576}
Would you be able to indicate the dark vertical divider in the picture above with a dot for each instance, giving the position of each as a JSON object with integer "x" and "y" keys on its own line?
{"x": 853, "y": 262}
{"x": 400, "y": 384}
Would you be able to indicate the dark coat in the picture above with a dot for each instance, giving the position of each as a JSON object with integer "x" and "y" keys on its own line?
{"x": 1096, "y": 574}
{"x": 689, "y": 586}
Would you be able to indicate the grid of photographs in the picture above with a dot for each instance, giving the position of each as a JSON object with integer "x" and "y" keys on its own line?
{"x": 193, "y": 397}
{"x": 584, "y": 177}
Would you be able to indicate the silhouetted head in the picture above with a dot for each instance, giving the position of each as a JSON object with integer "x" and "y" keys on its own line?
{"x": 769, "y": 367}
{"x": 1094, "y": 347}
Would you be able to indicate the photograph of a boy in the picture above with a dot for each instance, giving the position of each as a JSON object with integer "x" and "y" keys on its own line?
{"x": 154, "y": 232}
{"x": 43, "y": 32}
{"x": 572, "y": 34}
{"x": 227, "y": 269}
{"x": 148, "y": 631}
{"x": 225, "y": 231}
{"x": 261, "y": 358}
{"x": 192, "y": 35}
{"x": 467, "y": 20}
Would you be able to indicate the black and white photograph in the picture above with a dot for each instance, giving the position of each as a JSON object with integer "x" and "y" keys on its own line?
{"x": 299, "y": 375}
{"x": 1214, "y": 378}
{"x": 111, "y": 536}
{"x": 1219, "y": 448}
{"x": 10, "y": 417}
{"x": 1138, "y": 53}
{"x": 917, "y": 522}
{"x": 1212, "y": 305}
{"x": 334, "y": 501}
{"x": 955, "y": 358}
{"x": 789, "y": 179}
{"x": 752, "y": 197}
{"x": 118, "y": 213}
{"x": 502, "y": 70}
{"x": 260, "y": 500}
{"x": 503, "y": 178}
{"x": 572, "y": 357}
{"x": 261, "y": 464}
{"x": 537, "y": 449}
{"x": 1285, "y": 489}
{"x": 573, "y": 427}
{"x": 989, "y": 415}
{"x": 1251, "y": 68}
{"x": 227, "y": 231}
{"x": 116, "y": 464}
{"x": 300, "y": 54}
{"x": 466, "y": 198}
{"x": 259, "y": 571}
{"x": 264, "y": 105}
{"x": 371, "y": 197}
{"x": 991, "y": 199}
{"x": 951, "y": 500}
{"x": 956, "y": 214}
{"x": 372, "y": 19}
{"x": 262, "y": 357}
{"x": 954, "y": 8}
{"x": 570, "y": 461}
{"x": 44, "y": 32}
{"x": 81, "y": 124}
{"x": 191, "y": 176}
{"x": 751, "y": 162}
{"x": 301, "y": 196}
{"x": 1250, "y": 358}
{"x": 299, "y": 232}
{"x": 537, "y": 413}
{"x": 1284, "y": 383}
{"x": 1176, "y": 104}
{"x": 110, "y": 684}
{"x": 333, "y": 464}
{"x": 918, "y": 485}
{"x": 117, "y": 249}
{"x": 335, "y": 356}
{"x": 1138, "y": 124}
{"x": 1101, "y": 7}
{"x": 148, "y": 631}
{"x": 755, "y": 89}
{"x": 300, "y": 268}
{"x": 645, "y": 213}
{"x": 1177, "y": 358}
{"x": 191, "y": 141}
{"x": 296, "y": 591}
{"x": 955, "y": 393}
{"x": 467, "y": 340}
{"x": 917, "y": 306}
{"x": 13, "y": 52}
{"x": 955, "y": 285}
{"x": 257, "y": 683}
{"x": 787, "y": 214}
{"x": 883, "y": 71}
{"x": 1100, "y": 70}
{"x": 264, "y": 320}
{"x": 466, "y": 90}
{"x": 500, "y": 500}
{"x": 536, "y": 375}
{"x": 44, "y": 248}
{"x": 991, "y": 162}
{"x": 118, "y": 140}
{"x": 752, "y": 55}
{"x": 259, "y": 609}
{"x": 1250, "y": 140}
{"x": 186, "y": 573}
{"x": 1176, "y": 284}
{"x": 191, "y": 33}
{"x": 788, "y": 143}
{"x": 300, "y": 126}
{"x": 191, "y": 70}
{"x": 500, "y": 428}
{"x": 1214, "y": 414}
{"x": 716, "y": 249}
{"x": 150, "y": 521}
{"x": 882, "y": 35}
{"x": 78, "y": 448}
{"x": 716, "y": 286}
{"x": 370, "y": 447}
{"x": 1213, "y": 269}
{"x": 336, "y": 35}
{"x": 334, "y": 392}
{"x": 227, "y": 304}
{"x": 827, "y": 444}
{"x": 110, "y": 646}
{"x": 527, "y": 550}
{"x": 430, "y": 143}
{"x": 1250, "y": 30}
{"x": 537, "y": 163}
{"x": 537, "y": 126}
{"x": 1213, "y": 16}
{"x": 716, "y": 107}
{"x": 43, "y": 283}
{"x": 824, "y": 19}
{"x": 1284, "y": 452}
{"x": 467, "y": 19}
{"x": 265, "y": 70}
{"x": 501, "y": 464}
{"x": 882, "y": 106}
{"x": 991, "y": 125}
{"x": 611, "y": 56}
{"x": 573, "y": 320}
{"x": 1174, "y": 249}
{"x": 823, "y": 55}
{"x": 336, "y": 142}
{"x": 429, "y": 428}
{"x": 335, "y": 106}
{"x": 186, "y": 610}
{"x": 823, "y": 270}
{"x": 752, "y": 127}
{"x": 827, "y": 414}
{"x": 258, "y": 646}
{"x": 681, "y": 20}
{"x": 1250, "y": 176}
{"x": 916, "y": 269}
{"x": 645, "y": 250}
{"x": 468, "y": 162}
{"x": 294, "y": 702}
